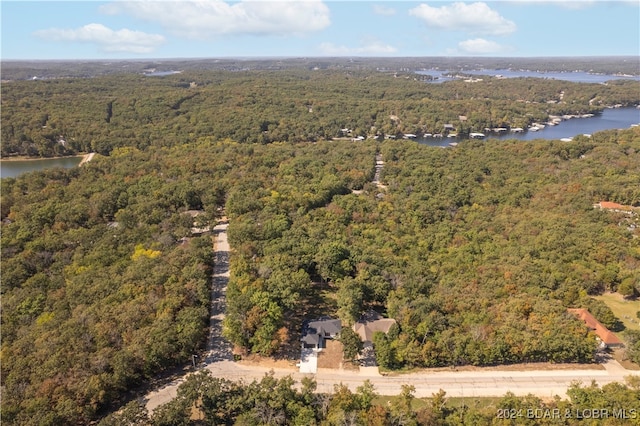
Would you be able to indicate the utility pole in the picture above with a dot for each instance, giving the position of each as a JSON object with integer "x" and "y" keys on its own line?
{"x": 193, "y": 358}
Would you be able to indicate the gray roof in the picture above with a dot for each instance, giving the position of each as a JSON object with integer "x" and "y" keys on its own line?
{"x": 311, "y": 339}
{"x": 329, "y": 327}
{"x": 317, "y": 330}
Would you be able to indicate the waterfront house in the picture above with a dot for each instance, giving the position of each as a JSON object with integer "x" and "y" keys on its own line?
{"x": 617, "y": 208}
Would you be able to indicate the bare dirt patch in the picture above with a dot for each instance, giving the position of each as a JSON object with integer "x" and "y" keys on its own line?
{"x": 350, "y": 366}
{"x": 257, "y": 360}
{"x": 331, "y": 356}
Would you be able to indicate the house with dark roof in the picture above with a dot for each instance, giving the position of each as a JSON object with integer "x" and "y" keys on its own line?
{"x": 314, "y": 333}
{"x": 606, "y": 336}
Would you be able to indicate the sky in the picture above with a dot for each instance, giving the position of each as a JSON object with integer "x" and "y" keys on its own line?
{"x": 317, "y": 28}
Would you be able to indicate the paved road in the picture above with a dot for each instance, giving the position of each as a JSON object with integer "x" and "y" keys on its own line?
{"x": 483, "y": 382}
{"x": 376, "y": 176}
{"x": 542, "y": 383}
{"x": 219, "y": 351}
{"x": 379, "y": 166}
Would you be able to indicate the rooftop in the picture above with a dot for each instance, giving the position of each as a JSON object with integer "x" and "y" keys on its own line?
{"x": 613, "y": 206}
{"x": 371, "y": 323}
{"x": 605, "y": 335}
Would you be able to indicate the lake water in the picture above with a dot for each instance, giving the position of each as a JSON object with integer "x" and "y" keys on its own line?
{"x": 611, "y": 118}
{"x": 15, "y": 168}
{"x": 576, "y": 76}
{"x": 161, "y": 73}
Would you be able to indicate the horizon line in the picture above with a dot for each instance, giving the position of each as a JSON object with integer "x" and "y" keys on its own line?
{"x": 280, "y": 57}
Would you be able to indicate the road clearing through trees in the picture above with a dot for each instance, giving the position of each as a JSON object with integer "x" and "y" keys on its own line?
{"x": 478, "y": 382}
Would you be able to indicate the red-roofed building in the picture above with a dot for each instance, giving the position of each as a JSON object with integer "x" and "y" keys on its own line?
{"x": 607, "y": 338}
{"x": 608, "y": 205}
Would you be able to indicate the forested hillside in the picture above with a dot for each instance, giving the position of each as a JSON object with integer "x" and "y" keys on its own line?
{"x": 65, "y": 116}
{"x": 476, "y": 251}
{"x": 101, "y": 291}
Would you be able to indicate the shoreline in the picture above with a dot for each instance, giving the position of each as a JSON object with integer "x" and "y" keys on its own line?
{"x": 86, "y": 158}
{"x": 23, "y": 158}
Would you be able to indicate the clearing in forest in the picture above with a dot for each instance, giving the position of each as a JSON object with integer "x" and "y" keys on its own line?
{"x": 622, "y": 308}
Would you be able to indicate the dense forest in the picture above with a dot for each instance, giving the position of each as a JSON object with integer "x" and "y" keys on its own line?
{"x": 65, "y": 116}
{"x": 476, "y": 251}
{"x": 271, "y": 401}
{"x": 103, "y": 284}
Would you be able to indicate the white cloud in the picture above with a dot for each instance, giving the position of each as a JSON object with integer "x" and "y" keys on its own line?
{"x": 373, "y": 48}
{"x": 566, "y": 4}
{"x": 475, "y": 18}
{"x": 383, "y": 10}
{"x": 108, "y": 40}
{"x": 480, "y": 46}
{"x": 200, "y": 19}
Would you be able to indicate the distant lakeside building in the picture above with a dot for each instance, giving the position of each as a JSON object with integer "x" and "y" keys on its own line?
{"x": 614, "y": 207}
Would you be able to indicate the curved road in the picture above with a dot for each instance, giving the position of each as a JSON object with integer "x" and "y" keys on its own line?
{"x": 479, "y": 382}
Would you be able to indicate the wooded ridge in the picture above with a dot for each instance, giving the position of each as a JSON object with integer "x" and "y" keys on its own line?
{"x": 67, "y": 116}
{"x": 476, "y": 251}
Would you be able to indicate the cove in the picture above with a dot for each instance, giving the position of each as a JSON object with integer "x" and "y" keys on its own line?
{"x": 14, "y": 168}
{"x": 610, "y": 118}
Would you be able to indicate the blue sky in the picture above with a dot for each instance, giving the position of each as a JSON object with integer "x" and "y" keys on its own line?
{"x": 311, "y": 28}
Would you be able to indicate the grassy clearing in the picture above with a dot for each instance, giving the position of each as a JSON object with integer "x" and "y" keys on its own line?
{"x": 625, "y": 310}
